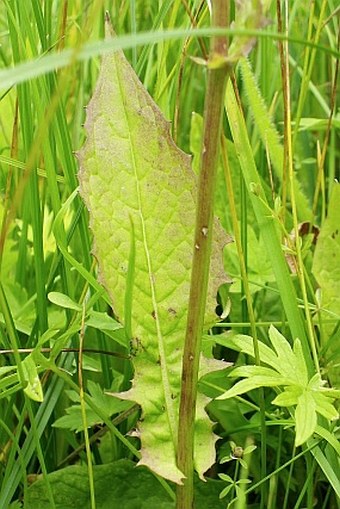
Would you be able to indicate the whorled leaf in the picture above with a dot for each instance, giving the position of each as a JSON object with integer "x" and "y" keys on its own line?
{"x": 134, "y": 177}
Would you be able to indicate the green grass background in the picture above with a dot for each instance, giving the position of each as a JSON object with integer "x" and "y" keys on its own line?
{"x": 45, "y": 243}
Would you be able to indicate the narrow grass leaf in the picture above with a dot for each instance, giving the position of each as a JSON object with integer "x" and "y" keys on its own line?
{"x": 6, "y": 369}
{"x": 30, "y": 69}
{"x": 328, "y": 277}
{"x": 266, "y": 222}
{"x": 331, "y": 438}
{"x": 331, "y": 471}
{"x": 9, "y": 383}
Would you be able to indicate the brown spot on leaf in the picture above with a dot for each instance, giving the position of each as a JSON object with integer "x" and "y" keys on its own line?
{"x": 172, "y": 312}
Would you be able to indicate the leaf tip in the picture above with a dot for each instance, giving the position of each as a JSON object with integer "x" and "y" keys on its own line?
{"x": 109, "y": 30}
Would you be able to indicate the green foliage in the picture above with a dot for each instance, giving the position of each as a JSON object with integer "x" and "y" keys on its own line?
{"x": 16, "y": 505}
{"x": 237, "y": 453}
{"x": 259, "y": 268}
{"x": 9, "y": 381}
{"x": 107, "y": 404}
{"x": 248, "y": 15}
{"x": 287, "y": 370}
{"x": 269, "y": 135}
{"x": 63, "y": 301}
{"x": 33, "y": 388}
{"x": 232, "y": 485}
{"x": 145, "y": 203}
{"x": 116, "y": 485}
{"x": 50, "y": 292}
{"x": 328, "y": 277}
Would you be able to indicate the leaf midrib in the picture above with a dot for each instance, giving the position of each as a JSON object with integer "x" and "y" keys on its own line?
{"x": 161, "y": 347}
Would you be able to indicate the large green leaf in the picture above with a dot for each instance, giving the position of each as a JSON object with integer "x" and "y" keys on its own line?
{"x": 116, "y": 484}
{"x": 141, "y": 194}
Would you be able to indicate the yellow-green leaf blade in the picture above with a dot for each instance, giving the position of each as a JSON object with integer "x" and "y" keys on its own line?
{"x": 132, "y": 173}
{"x": 33, "y": 388}
{"x": 305, "y": 418}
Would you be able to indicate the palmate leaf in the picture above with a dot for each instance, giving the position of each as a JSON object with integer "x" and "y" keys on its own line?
{"x": 324, "y": 406}
{"x": 288, "y": 371}
{"x": 291, "y": 363}
{"x": 248, "y": 384}
{"x": 245, "y": 344}
{"x": 289, "y": 397}
{"x": 134, "y": 177}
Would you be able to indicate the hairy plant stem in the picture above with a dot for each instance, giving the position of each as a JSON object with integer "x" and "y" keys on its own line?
{"x": 213, "y": 111}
